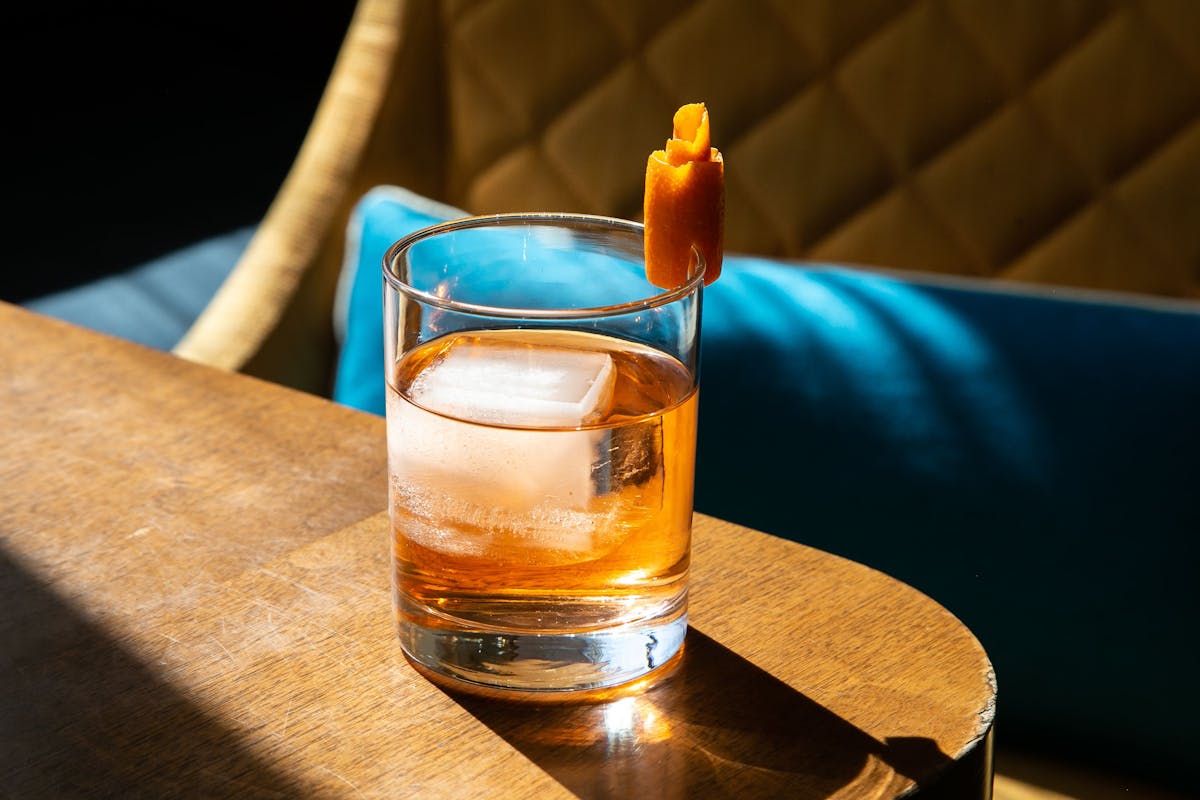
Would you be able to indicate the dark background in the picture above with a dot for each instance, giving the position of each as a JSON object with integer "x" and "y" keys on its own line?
{"x": 137, "y": 128}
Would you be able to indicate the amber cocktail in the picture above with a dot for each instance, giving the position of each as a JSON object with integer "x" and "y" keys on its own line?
{"x": 541, "y": 445}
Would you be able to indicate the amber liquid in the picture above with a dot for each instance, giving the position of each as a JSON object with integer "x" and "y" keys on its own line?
{"x": 544, "y": 529}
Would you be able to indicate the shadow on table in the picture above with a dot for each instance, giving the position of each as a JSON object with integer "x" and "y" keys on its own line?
{"x": 80, "y": 716}
{"x": 718, "y": 727}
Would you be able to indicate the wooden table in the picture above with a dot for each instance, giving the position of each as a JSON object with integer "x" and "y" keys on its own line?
{"x": 194, "y": 584}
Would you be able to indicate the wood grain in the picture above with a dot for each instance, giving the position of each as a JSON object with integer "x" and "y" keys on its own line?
{"x": 193, "y": 572}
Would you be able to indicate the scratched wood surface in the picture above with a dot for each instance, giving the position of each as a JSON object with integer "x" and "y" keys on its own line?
{"x": 194, "y": 602}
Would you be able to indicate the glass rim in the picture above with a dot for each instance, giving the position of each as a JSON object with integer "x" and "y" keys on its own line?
{"x": 662, "y": 298}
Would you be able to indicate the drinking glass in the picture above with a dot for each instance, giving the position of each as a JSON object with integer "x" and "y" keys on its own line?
{"x": 541, "y": 429}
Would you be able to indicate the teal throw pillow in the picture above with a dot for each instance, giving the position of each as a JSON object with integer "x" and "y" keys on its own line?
{"x": 1027, "y": 458}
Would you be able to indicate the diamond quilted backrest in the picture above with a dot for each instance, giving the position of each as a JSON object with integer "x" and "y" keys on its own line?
{"x": 1053, "y": 141}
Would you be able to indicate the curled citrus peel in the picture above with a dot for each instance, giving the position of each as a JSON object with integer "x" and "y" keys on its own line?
{"x": 685, "y": 202}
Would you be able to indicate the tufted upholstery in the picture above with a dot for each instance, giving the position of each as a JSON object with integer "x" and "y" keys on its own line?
{"x": 1048, "y": 141}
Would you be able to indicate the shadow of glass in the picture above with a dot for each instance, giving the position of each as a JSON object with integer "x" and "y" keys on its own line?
{"x": 718, "y": 727}
{"x": 80, "y": 716}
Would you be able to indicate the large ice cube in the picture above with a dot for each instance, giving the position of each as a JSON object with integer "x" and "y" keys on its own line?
{"x": 459, "y": 480}
{"x": 506, "y": 383}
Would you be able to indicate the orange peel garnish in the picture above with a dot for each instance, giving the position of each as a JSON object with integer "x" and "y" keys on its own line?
{"x": 685, "y": 202}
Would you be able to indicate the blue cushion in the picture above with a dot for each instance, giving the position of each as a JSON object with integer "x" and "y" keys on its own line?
{"x": 1029, "y": 459}
{"x": 382, "y": 216}
{"x": 153, "y": 304}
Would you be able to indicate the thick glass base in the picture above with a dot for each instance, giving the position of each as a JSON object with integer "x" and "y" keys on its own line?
{"x": 545, "y": 662}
